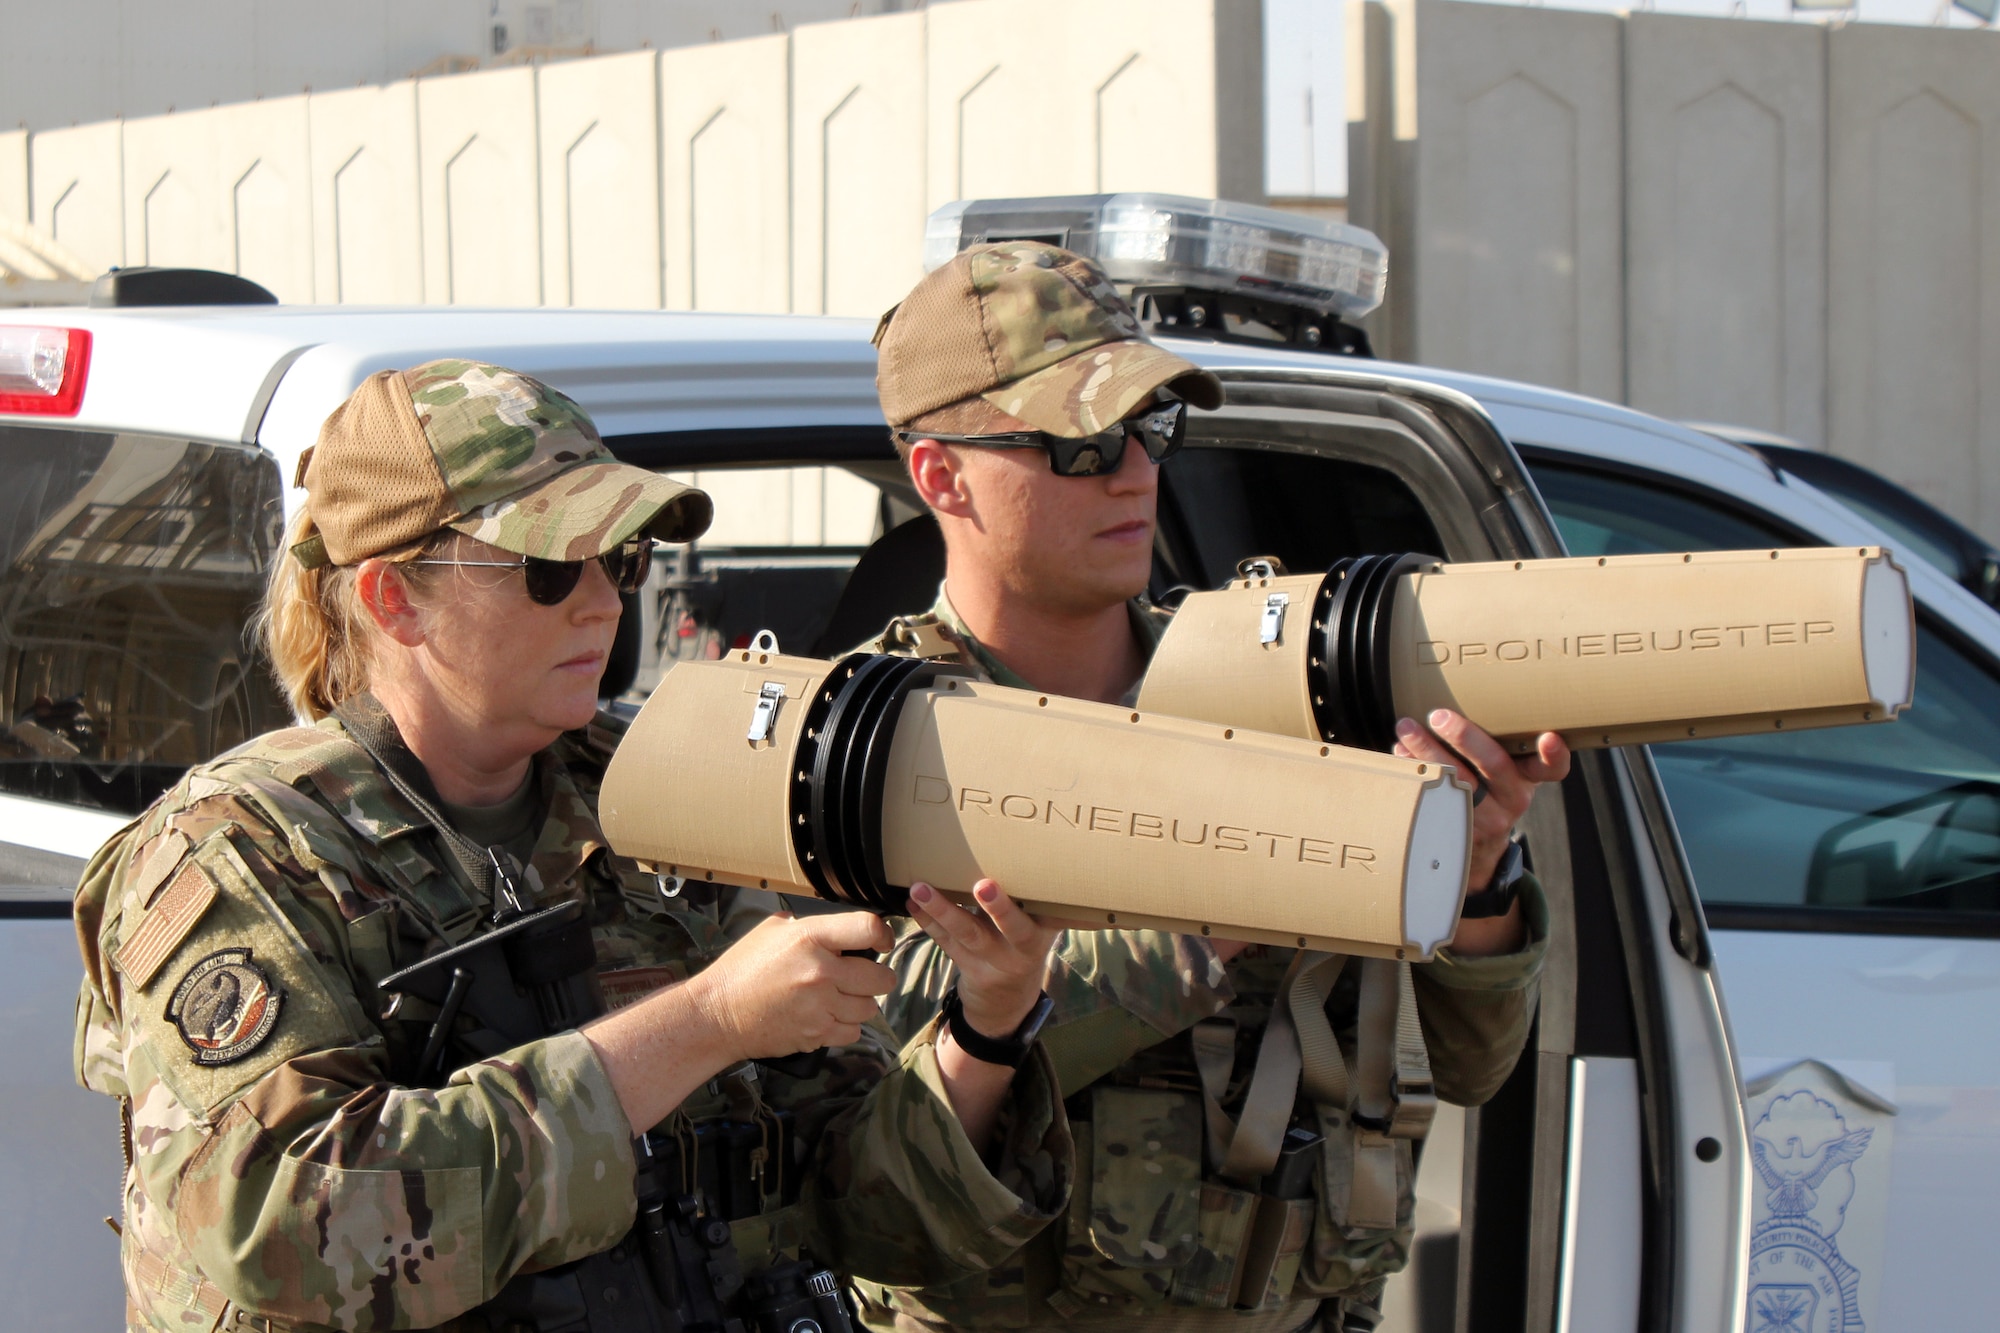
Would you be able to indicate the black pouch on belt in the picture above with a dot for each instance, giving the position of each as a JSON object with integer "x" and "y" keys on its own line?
{"x": 1284, "y": 1212}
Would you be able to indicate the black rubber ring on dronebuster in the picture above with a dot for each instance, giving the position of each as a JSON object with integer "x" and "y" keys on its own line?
{"x": 1337, "y": 652}
{"x": 860, "y": 834}
{"x": 806, "y": 764}
{"x": 871, "y": 791}
{"x": 1377, "y": 624}
{"x": 1358, "y": 666}
{"x": 1353, "y": 701}
{"x": 833, "y": 839}
{"x": 1320, "y": 678}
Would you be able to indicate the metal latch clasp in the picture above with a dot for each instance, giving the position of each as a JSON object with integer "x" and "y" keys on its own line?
{"x": 765, "y": 715}
{"x": 1274, "y": 617}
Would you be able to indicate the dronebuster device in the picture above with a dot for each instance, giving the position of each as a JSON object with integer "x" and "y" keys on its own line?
{"x": 850, "y": 781}
{"x": 1617, "y": 650}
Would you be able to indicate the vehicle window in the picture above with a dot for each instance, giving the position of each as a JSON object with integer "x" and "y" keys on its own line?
{"x": 129, "y": 567}
{"x": 1856, "y": 495}
{"x": 1220, "y": 505}
{"x": 782, "y": 545}
{"x": 1901, "y": 816}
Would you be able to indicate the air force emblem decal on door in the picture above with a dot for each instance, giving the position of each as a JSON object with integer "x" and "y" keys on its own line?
{"x": 1818, "y": 1207}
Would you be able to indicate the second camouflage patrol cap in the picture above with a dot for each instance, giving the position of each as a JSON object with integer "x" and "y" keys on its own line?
{"x": 1038, "y": 332}
{"x": 485, "y": 451}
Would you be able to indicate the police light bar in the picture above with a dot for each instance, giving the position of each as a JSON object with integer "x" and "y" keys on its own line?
{"x": 1170, "y": 240}
{"x": 42, "y": 370}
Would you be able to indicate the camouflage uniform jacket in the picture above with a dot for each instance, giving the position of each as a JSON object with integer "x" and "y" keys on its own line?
{"x": 232, "y": 937}
{"x": 1148, "y": 1233}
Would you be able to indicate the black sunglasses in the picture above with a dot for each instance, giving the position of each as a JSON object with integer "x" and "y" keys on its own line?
{"x": 1160, "y": 429}
{"x": 550, "y": 582}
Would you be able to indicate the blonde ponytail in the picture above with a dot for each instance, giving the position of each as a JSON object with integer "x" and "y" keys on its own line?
{"x": 313, "y": 625}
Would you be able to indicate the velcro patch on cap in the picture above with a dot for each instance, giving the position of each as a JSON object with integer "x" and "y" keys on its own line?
{"x": 167, "y": 922}
{"x": 224, "y": 1007}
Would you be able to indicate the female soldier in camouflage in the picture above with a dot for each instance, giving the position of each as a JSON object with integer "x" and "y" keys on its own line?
{"x": 444, "y": 614}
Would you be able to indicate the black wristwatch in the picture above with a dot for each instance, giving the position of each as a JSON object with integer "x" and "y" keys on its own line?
{"x": 1009, "y": 1050}
{"x": 1498, "y": 895}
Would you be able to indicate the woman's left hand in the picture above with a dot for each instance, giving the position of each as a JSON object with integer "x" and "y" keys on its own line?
{"x": 1002, "y": 953}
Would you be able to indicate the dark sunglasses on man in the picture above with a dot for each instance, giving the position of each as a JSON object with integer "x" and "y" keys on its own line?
{"x": 1160, "y": 429}
{"x": 550, "y": 582}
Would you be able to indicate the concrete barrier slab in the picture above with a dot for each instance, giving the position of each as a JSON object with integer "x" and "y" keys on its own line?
{"x": 1139, "y": 111}
{"x": 226, "y": 189}
{"x": 265, "y": 190}
{"x": 172, "y": 204}
{"x": 1519, "y": 195}
{"x": 14, "y": 176}
{"x": 367, "y": 235}
{"x": 600, "y": 155}
{"x": 78, "y": 184}
{"x": 725, "y": 140}
{"x": 477, "y": 157}
{"x": 1914, "y": 307}
{"x": 1725, "y": 133}
{"x": 857, "y": 163}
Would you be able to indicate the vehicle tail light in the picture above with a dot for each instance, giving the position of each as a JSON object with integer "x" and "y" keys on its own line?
{"x": 42, "y": 370}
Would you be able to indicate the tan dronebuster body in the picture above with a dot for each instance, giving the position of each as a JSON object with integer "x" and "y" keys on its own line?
{"x": 1618, "y": 650}
{"x": 1079, "y": 810}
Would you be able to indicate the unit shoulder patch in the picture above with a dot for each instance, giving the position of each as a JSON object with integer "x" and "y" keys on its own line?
{"x": 225, "y": 1007}
{"x": 168, "y": 920}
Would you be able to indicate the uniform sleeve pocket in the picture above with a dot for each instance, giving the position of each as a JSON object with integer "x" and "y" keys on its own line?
{"x": 1145, "y": 1176}
{"x": 333, "y": 1245}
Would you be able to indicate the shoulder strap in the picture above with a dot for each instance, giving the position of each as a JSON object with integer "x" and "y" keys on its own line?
{"x": 923, "y": 636}
{"x": 1390, "y": 1094}
{"x": 375, "y": 731}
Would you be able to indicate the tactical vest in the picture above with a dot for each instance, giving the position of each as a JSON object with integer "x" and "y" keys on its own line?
{"x": 1176, "y": 1206}
{"x": 724, "y": 1140}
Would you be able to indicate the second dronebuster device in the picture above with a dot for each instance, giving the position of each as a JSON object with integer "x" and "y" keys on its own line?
{"x": 850, "y": 781}
{"x": 1614, "y": 650}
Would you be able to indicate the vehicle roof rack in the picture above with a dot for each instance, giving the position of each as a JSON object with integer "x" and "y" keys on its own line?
{"x": 146, "y": 285}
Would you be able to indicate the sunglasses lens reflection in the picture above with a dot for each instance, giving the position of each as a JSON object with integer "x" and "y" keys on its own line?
{"x": 550, "y": 582}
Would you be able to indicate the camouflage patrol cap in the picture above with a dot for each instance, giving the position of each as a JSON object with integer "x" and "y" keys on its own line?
{"x": 1037, "y": 332}
{"x": 484, "y": 451}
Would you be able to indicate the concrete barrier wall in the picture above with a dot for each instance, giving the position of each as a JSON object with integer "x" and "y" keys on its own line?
{"x": 1771, "y": 225}
{"x": 600, "y": 172}
{"x": 716, "y": 177}
{"x": 227, "y": 188}
{"x": 1914, "y": 244}
{"x": 479, "y": 174}
{"x": 1519, "y": 195}
{"x": 1725, "y": 180}
{"x": 78, "y": 183}
{"x": 14, "y": 176}
{"x": 367, "y": 240}
{"x": 725, "y": 139}
{"x": 858, "y": 163}
{"x": 1142, "y": 110}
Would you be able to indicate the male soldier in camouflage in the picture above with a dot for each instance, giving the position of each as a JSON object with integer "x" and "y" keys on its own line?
{"x": 1020, "y": 388}
{"x": 444, "y": 609}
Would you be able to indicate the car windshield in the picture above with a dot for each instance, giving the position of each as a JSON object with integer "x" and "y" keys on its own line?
{"x": 1900, "y": 816}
